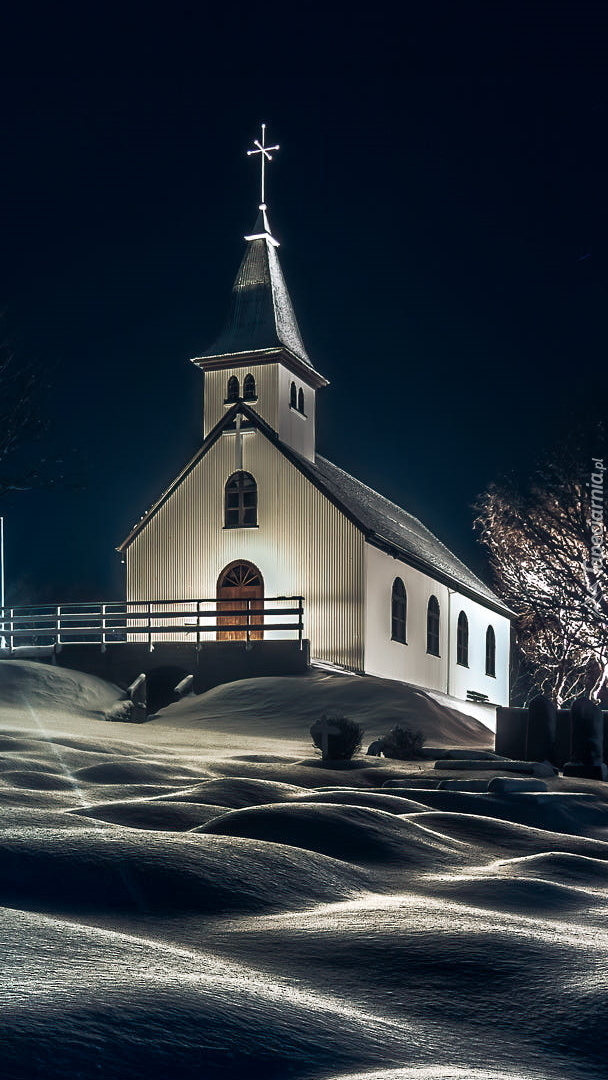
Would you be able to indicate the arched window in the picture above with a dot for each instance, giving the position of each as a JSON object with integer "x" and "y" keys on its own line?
{"x": 293, "y": 396}
{"x": 240, "y": 501}
{"x": 249, "y": 388}
{"x": 490, "y": 651}
{"x": 432, "y": 626}
{"x": 398, "y": 611}
{"x": 232, "y": 390}
{"x": 462, "y": 640}
{"x": 300, "y": 400}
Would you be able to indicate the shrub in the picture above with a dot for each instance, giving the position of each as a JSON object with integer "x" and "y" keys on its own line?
{"x": 403, "y": 743}
{"x": 340, "y": 744}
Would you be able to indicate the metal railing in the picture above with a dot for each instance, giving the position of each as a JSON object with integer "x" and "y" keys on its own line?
{"x": 150, "y": 621}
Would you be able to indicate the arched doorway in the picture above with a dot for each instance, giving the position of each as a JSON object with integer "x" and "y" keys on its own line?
{"x": 240, "y": 588}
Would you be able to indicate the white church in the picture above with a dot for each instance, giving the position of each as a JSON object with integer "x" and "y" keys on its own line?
{"x": 259, "y": 513}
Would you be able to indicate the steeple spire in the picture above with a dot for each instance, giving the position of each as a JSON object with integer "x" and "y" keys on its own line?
{"x": 261, "y": 318}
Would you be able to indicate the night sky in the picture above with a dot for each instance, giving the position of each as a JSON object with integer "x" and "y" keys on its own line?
{"x": 440, "y": 197}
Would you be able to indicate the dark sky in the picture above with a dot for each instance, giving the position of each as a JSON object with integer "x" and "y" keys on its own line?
{"x": 440, "y": 197}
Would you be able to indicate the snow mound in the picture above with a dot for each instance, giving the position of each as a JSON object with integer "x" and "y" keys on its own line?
{"x": 157, "y": 814}
{"x": 238, "y": 791}
{"x": 123, "y": 771}
{"x": 287, "y": 706}
{"x": 353, "y": 833}
{"x": 98, "y": 870}
{"x": 26, "y": 683}
{"x": 392, "y": 804}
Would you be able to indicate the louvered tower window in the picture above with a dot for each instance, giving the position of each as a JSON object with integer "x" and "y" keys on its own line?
{"x": 432, "y": 626}
{"x": 249, "y": 392}
{"x": 293, "y": 396}
{"x": 398, "y": 611}
{"x": 462, "y": 640}
{"x": 300, "y": 400}
{"x": 490, "y": 651}
{"x": 241, "y": 501}
{"x": 232, "y": 390}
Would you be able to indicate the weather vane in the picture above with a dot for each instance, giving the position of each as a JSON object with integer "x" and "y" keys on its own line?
{"x": 265, "y": 155}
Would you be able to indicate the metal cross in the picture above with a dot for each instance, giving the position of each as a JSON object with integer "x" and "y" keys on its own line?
{"x": 263, "y": 151}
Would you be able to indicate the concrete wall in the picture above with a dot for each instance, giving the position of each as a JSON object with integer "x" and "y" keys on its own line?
{"x": 214, "y": 663}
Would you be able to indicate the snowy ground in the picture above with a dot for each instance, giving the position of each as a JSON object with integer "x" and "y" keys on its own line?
{"x": 198, "y": 897}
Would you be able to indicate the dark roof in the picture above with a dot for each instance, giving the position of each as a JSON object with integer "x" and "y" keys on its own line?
{"x": 260, "y": 315}
{"x": 383, "y": 522}
{"x": 394, "y": 527}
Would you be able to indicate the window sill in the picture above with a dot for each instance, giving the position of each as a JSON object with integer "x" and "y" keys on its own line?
{"x": 460, "y": 664}
{"x": 436, "y": 654}
{"x": 490, "y": 674}
{"x": 294, "y": 409}
{"x": 231, "y": 527}
{"x": 398, "y": 640}
{"x": 247, "y": 400}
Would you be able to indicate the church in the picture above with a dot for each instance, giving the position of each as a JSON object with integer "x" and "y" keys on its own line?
{"x": 258, "y": 513}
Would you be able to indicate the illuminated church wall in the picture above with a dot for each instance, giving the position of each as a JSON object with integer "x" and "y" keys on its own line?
{"x": 303, "y": 545}
{"x": 273, "y": 391}
{"x": 411, "y": 662}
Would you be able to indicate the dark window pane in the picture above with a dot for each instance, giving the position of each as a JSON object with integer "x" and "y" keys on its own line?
{"x": 490, "y": 651}
{"x": 398, "y": 611}
{"x": 462, "y": 640}
{"x": 240, "y": 500}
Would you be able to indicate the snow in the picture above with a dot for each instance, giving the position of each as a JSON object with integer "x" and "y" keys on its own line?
{"x": 199, "y": 896}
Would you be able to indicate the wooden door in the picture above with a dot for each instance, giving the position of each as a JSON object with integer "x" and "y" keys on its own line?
{"x": 240, "y": 588}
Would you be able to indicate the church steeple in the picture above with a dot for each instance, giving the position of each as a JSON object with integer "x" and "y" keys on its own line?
{"x": 261, "y": 315}
{"x": 261, "y": 329}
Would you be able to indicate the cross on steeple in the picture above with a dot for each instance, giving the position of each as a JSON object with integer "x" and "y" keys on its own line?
{"x": 265, "y": 155}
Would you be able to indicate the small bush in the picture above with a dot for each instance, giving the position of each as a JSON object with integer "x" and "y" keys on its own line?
{"x": 340, "y": 745}
{"x": 403, "y": 744}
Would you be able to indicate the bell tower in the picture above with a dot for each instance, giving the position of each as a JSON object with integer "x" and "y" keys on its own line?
{"x": 259, "y": 357}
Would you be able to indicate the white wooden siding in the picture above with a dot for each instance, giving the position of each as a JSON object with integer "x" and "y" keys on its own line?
{"x": 411, "y": 662}
{"x": 303, "y": 545}
{"x": 266, "y": 383}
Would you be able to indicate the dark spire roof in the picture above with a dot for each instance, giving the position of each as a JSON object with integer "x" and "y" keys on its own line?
{"x": 261, "y": 315}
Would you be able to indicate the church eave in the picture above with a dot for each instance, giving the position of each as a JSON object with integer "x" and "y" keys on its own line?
{"x": 493, "y": 603}
{"x": 255, "y": 357}
{"x": 390, "y": 548}
{"x": 212, "y": 437}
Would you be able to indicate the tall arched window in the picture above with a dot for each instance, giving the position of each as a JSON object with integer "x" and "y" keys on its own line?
{"x": 240, "y": 501}
{"x": 490, "y": 651}
{"x": 232, "y": 390}
{"x": 398, "y": 611}
{"x": 432, "y": 626}
{"x": 462, "y": 640}
{"x": 300, "y": 400}
{"x": 293, "y": 396}
{"x": 249, "y": 388}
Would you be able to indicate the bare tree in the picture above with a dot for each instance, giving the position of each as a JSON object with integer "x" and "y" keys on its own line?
{"x": 539, "y": 539}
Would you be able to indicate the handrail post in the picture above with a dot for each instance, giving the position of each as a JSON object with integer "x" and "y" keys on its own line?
{"x": 103, "y": 627}
{"x": 58, "y": 618}
{"x": 300, "y": 619}
{"x": 198, "y": 625}
{"x": 149, "y": 626}
{"x": 11, "y": 642}
{"x": 247, "y": 617}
